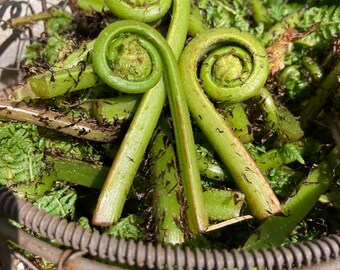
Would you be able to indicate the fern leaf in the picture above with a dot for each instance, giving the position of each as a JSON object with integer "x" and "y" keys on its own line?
{"x": 290, "y": 151}
{"x": 329, "y": 28}
{"x": 59, "y": 202}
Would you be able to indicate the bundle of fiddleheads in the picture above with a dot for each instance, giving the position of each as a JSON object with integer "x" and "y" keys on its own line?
{"x": 129, "y": 56}
{"x": 139, "y": 68}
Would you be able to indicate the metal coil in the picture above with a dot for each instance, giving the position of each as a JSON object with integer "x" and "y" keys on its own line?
{"x": 149, "y": 256}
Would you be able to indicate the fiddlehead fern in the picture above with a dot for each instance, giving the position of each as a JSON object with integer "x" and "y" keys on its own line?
{"x": 261, "y": 199}
{"x": 293, "y": 79}
{"x": 231, "y": 73}
{"x": 275, "y": 230}
{"x": 131, "y": 152}
{"x": 142, "y": 10}
{"x": 127, "y": 63}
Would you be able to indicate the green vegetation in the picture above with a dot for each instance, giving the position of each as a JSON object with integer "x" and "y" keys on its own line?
{"x": 21, "y": 159}
{"x": 211, "y": 111}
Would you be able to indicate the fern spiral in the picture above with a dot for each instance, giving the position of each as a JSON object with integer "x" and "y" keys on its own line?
{"x": 127, "y": 62}
{"x": 236, "y": 66}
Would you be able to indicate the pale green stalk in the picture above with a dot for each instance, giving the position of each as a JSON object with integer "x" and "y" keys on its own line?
{"x": 258, "y": 10}
{"x": 97, "y": 5}
{"x": 238, "y": 121}
{"x": 279, "y": 118}
{"x": 116, "y": 108}
{"x": 167, "y": 191}
{"x": 322, "y": 95}
{"x": 275, "y": 230}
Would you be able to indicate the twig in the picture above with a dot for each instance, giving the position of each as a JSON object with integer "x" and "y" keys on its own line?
{"x": 43, "y": 117}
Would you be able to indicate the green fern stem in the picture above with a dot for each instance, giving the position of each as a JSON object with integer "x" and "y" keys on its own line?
{"x": 269, "y": 108}
{"x": 144, "y": 11}
{"x": 114, "y": 109}
{"x": 166, "y": 187}
{"x": 97, "y": 5}
{"x": 275, "y": 230}
{"x": 317, "y": 101}
{"x": 249, "y": 178}
{"x": 279, "y": 119}
{"x": 82, "y": 54}
{"x": 30, "y": 19}
{"x": 212, "y": 169}
{"x": 56, "y": 83}
{"x": 223, "y": 204}
{"x": 258, "y": 10}
{"x": 68, "y": 75}
{"x": 238, "y": 121}
{"x": 131, "y": 151}
{"x": 196, "y": 21}
{"x": 276, "y": 157}
{"x": 176, "y": 37}
{"x": 314, "y": 69}
{"x": 289, "y": 126}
